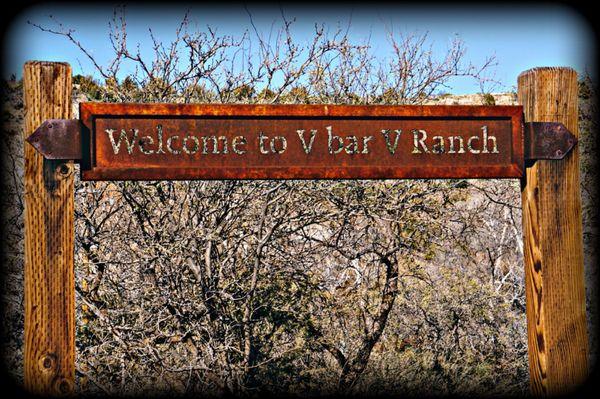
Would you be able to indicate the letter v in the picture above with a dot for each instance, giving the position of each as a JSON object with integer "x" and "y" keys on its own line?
{"x": 307, "y": 148}
{"x": 391, "y": 148}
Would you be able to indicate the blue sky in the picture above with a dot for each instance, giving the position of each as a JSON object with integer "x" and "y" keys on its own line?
{"x": 520, "y": 37}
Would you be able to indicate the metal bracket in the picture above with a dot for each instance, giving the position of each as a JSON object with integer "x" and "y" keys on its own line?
{"x": 58, "y": 139}
{"x": 547, "y": 140}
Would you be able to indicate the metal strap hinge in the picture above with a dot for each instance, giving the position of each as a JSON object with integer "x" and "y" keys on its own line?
{"x": 547, "y": 140}
{"x": 58, "y": 139}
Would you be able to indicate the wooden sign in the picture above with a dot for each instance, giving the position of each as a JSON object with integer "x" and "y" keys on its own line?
{"x": 177, "y": 141}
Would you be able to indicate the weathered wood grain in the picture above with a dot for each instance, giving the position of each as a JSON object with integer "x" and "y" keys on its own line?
{"x": 49, "y": 354}
{"x": 553, "y": 242}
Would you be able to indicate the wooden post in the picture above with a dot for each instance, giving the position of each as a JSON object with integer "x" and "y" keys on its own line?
{"x": 553, "y": 242}
{"x": 49, "y": 359}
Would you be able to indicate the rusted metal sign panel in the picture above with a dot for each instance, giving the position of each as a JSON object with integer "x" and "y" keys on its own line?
{"x": 180, "y": 141}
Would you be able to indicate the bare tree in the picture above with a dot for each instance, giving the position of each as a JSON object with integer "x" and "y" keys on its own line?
{"x": 312, "y": 287}
{"x": 204, "y": 66}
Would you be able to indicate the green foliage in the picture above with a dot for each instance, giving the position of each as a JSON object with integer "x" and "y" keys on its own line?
{"x": 198, "y": 93}
{"x": 389, "y": 96}
{"x": 488, "y": 99}
{"x": 244, "y": 92}
{"x": 266, "y": 95}
{"x": 156, "y": 90}
{"x": 130, "y": 88}
{"x": 297, "y": 95}
{"x": 89, "y": 86}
